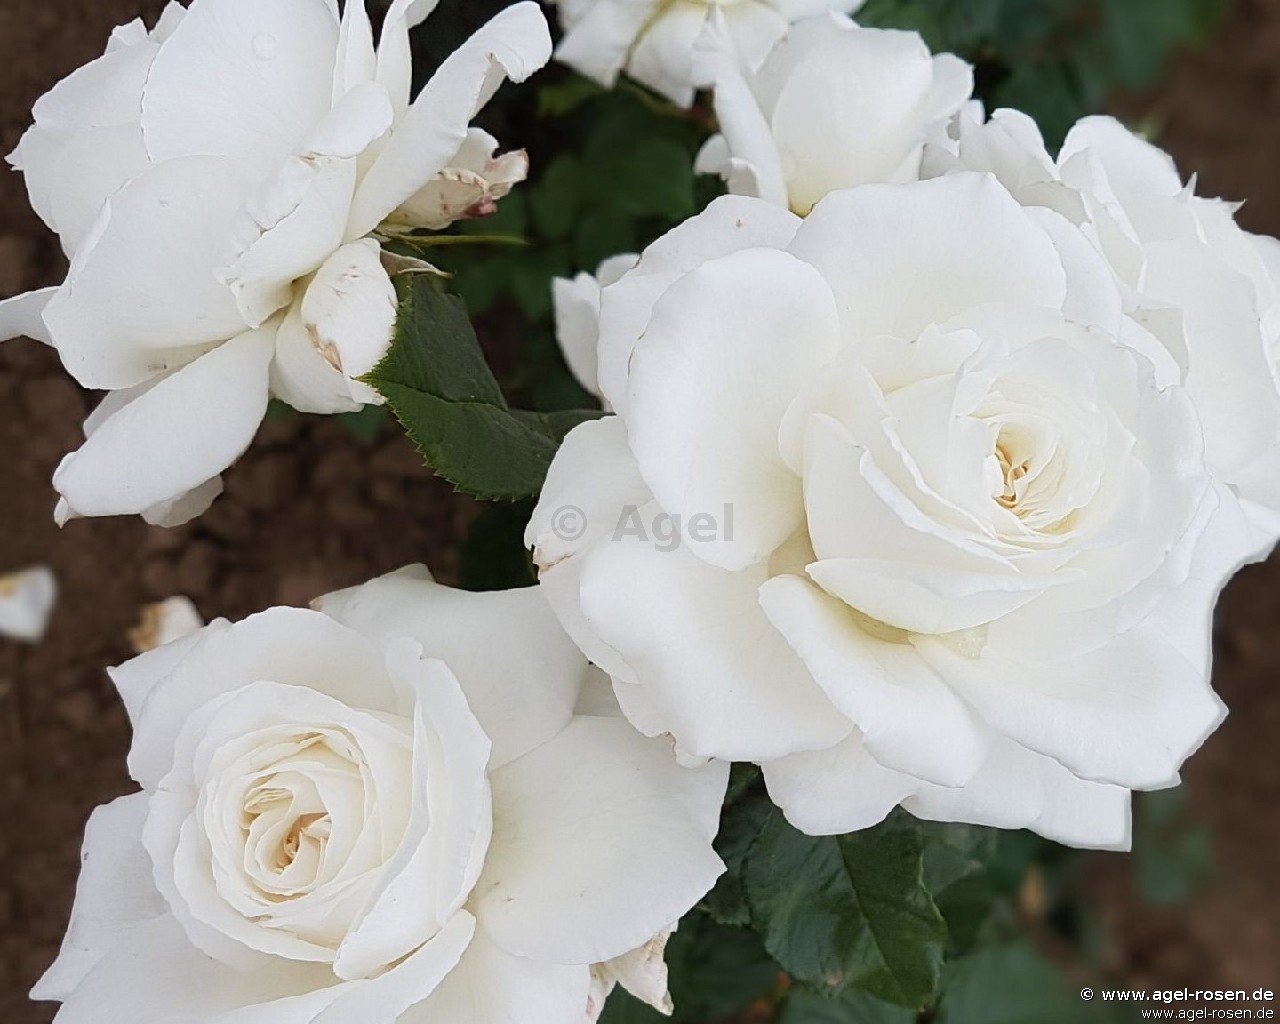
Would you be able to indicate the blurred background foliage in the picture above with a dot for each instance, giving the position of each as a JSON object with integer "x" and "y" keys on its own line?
{"x": 998, "y": 935}
{"x": 1054, "y": 59}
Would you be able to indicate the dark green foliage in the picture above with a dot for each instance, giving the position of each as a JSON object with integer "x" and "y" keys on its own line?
{"x": 1057, "y": 60}
{"x": 962, "y": 26}
{"x": 1172, "y": 855}
{"x": 866, "y": 924}
{"x": 848, "y": 1007}
{"x": 1013, "y": 984}
{"x": 493, "y": 555}
{"x": 438, "y": 384}
{"x": 365, "y": 424}
{"x": 955, "y": 871}
{"x": 713, "y": 970}
{"x": 747, "y": 810}
{"x": 853, "y": 910}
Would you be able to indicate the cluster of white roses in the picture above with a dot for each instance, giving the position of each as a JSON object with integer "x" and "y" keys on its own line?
{"x": 995, "y": 429}
{"x": 375, "y": 811}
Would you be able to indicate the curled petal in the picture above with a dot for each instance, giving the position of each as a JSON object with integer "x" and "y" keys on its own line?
{"x": 23, "y": 316}
{"x": 142, "y": 297}
{"x": 143, "y": 454}
{"x": 513, "y": 45}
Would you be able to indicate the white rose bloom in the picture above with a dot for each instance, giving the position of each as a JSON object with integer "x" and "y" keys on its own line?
{"x": 26, "y": 602}
{"x": 963, "y": 549}
{"x": 834, "y": 105}
{"x": 577, "y": 312}
{"x": 385, "y": 810}
{"x": 219, "y": 184}
{"x": 654, "y": 41}
{"x": 1199, "y": 290}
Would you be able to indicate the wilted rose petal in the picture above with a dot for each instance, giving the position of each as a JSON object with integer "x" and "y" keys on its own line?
{"x": 163, "y": 622}
{"x": 26, "y": 602}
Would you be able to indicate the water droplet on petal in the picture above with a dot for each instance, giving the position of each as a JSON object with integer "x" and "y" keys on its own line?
{"x": 264, "y": 46}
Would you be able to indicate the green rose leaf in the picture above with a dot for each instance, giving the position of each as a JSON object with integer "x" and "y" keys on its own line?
{"x": 556, "y": 200}
{"x": 441, "y": 390}
{"x": 493, "y": 554}
{"x": 1013, "y": 984}
{"x": 841, "y": 911}
{"x": 956, "y": 858}
{"x": 745, "y": 815}
{"x": 713, "y": 972}
{"x": 849, "y": 1007}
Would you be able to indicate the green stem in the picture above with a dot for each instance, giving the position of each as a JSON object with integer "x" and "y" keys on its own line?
{"x": 439, "y": 241}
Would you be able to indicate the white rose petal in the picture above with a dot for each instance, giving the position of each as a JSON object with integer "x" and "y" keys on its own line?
{"x": 830, "y": 792}
{"x": 1199, "y": 293}
{"x": 577, "y": 311}
{"x": 142, "y": 298}
{"x": 834, "y": 105}
{"x": 143, "y": 454}
{"x": 753, "y": 698}
{"x": 172, "y": 511}
{"x": 492, "y": 986}
{"x": 642, "y": 972}
{"x": 433, "y": 129}
{"x": 627, "y": 304}
{"x": 784, "y": 335}
{"x": 543, "y": 891}
{"x": 23, "y": 316}
{"x": 336, "y": 333}
{"x": 655, "y": 41}
{"x": 93, "y": 113}
{"x": 164, "y": 622}
{"x": 380, "y": 816}
{"x": 523, "y": 691}
{"x": 26, "y": 602}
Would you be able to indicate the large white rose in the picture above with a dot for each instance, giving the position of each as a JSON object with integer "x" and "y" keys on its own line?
{"x": 963, "y": 548}
{"x": 1197, "y": 287}
{"x": 655, "y": 41}
{"x": 218, "y": 184}
{"x": 384, "y": 810}
{"x": 834, "y": 105}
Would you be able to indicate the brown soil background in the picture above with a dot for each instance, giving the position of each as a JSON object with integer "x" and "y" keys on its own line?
{"x": 311, "y": 508}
